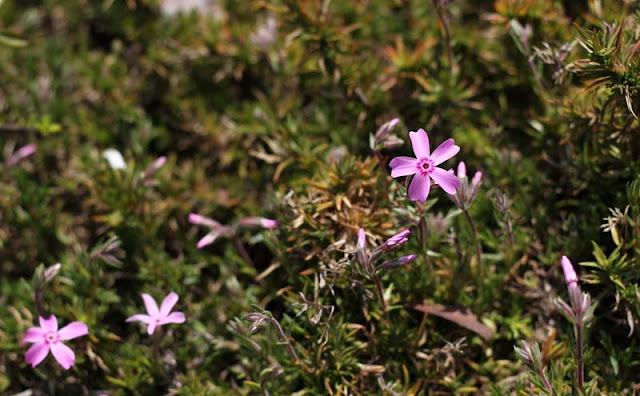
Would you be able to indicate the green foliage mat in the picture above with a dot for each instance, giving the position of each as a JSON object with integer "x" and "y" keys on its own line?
{"x": 269, "y": 108}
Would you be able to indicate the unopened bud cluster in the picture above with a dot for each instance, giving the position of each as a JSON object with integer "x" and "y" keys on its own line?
{"x": 580, "y": 309}
{"x": 384, "y": 138}
{"x": 218, "y": 230}
{"x": 368, "y": 260}
{"x": 467, "y": 192}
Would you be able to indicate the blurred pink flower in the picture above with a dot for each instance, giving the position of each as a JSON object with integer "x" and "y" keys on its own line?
{"x": 258, "y": 222}
{"x": 158, "y": 317}
{"x": 145, "y": 177}
{"x": 47, "y": 338}
{"x": 22, "y": 153}
{"x": 217, "y": 229}
{"x": 424, "y": 166}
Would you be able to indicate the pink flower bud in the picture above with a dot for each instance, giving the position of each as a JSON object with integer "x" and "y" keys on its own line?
{"x": 268, "y": 223}
{"x": 195, "y": 218}
{"x": 477, "y": 178}
{"x": 392, "y": 142}
{"x": 21, "y": 154}
{"x": 389, "y": 264}
{"x": 153, "y": 168}
{"x": 462, "y": 170}
{"x": 570, "y": 276}
{"x": 396, "y": 240}
{"x": 362, "y": 239}
{"x": 207, "y": 240}
{"x": 385, "y": 129}
{"x": 258, "y": 222}
{"x": 50, "y": 273}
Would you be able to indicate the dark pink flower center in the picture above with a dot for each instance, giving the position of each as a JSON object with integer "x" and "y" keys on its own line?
{"x": 51, "y": 337}
{"x": 425, "y": 166}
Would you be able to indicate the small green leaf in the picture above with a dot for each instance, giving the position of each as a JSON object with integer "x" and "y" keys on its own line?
{"x": 11, "y": 41}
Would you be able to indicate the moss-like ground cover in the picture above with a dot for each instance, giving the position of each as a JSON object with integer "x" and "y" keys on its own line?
{"x": 276, "y": 110}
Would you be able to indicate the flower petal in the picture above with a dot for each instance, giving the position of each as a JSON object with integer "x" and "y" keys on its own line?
{"x": 167, "y": 304}
{"x": 151, "y": 305}
{"x": 419, "y": 188}
{"x": 50, "y": 324}
{"x": 444, "y": 151}
{"x": 152, "y": 327}
{"x": 448, "y": 181}
{"x": 403, "y": 166}
{"x": 34, "y": 334}
{"x": 63, "y": 354}
{"x": 175, "y": 317}
{"x": 73, "y": 330}
{"x": 37, "y": 353}
{"x": 420, "y": 143}
{"x": 139, "y": 318}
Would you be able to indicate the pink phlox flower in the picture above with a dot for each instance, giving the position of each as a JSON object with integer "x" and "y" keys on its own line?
{"x": 217, "y": 229}
{"x": 570, "y": 276}
{"x": 425, "y": 166}
{"x": 158, "y": 316}
{"x": 47, "y": 338}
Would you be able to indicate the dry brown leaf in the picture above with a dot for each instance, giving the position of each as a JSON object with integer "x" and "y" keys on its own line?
{"x": 458, "y": 315}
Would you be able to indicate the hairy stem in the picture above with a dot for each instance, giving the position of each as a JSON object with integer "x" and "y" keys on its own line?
{"x": 380, "y": 291}
{"x": 38, "y": 301}
{"x": 284, "y": 339}
{"x": 157, "y": 336}
{"x": 243, "y": 252}
{"x": 447, "y": 34}
{"x": 545, "y": 380}
{"x": 579, "y": 355}
{"x": 474, "y": 233}
{"x": 424, "y": 233}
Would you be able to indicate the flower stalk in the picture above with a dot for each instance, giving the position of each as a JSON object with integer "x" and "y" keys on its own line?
{"x": 579, "y": 312}
{"x": 368, "y": 260}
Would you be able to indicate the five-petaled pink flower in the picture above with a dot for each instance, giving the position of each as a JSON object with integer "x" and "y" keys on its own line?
{"x": 425, "y": 166}
{"x": 158, "y": 317}
{"x": 47, "y": 338}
